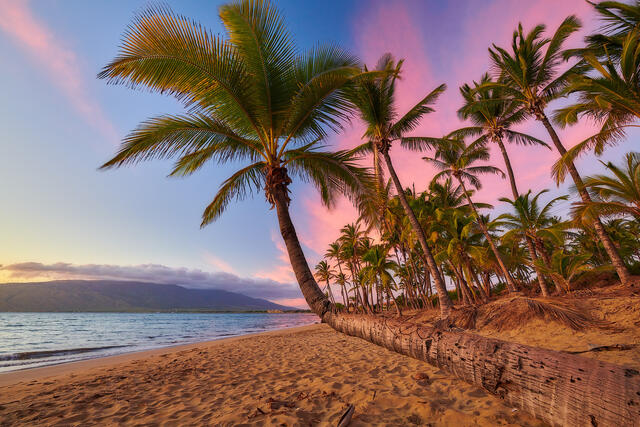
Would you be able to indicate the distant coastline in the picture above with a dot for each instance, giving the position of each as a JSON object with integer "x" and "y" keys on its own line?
{"x": 115, "y": 296}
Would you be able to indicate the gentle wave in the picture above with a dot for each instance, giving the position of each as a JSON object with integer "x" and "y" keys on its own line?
{"x": 52, "y": 353}
{"x": 29, "y": 340}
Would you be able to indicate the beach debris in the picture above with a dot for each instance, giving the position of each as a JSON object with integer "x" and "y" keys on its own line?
{"x": 422, "y": 379}
{"x": 345, "y": 419}
{"x": 277, "y": 404}
{"x": 593, "y": 347}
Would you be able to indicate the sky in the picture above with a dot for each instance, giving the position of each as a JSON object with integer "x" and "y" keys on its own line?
{"x": 62, "y": 218}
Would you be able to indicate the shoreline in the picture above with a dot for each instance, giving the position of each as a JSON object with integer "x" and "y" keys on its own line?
{"x": 305, "y": 375}
{"x": 63, "y": 368}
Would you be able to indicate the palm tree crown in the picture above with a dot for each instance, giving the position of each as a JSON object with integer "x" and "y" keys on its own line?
{"x": 251, "y": 98}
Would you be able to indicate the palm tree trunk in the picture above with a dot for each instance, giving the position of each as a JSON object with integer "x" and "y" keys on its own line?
{"x": 516, "y": 194}
{"x": 540, "y": 277}
{"x": 547, "y": 262}
{"x": 510, "y": 284}
{"x": 548, "y": 384}
{"x": 612, "y": 252}
{"x": 316, "y": 300}
{"x": 443, "y": 297}
{"x": 507, "y": 164}
{"x": 558, "y": 388}
{"x": 333, "y": 301}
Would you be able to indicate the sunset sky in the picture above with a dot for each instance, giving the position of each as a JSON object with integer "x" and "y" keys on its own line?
{"x": 61, "y": 218}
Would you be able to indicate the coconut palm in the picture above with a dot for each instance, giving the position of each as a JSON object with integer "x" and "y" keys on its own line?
{"x": 325, "y": 273}
{"x": 493, "y": 115}
{"x": 379, "y": 271}
{"x": 565, "y": 267}
{"x": 529, "y": 75}
{"x": 352, "y": 246}
{"x": 456, "y": 159}
{"x": 251, "y": 99}
{"x": 534, "y": 225}
{"x": 610, "y": 96}
{"x": 375, "y": 101}
{"x": 334, "y": 252}
{"x": 617, "y": 193}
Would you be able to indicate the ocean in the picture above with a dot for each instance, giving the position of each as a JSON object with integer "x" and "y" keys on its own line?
{"x": 29, "y": 340}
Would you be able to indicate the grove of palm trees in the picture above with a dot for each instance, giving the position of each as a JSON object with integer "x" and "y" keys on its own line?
{"x": 424, "y": 262}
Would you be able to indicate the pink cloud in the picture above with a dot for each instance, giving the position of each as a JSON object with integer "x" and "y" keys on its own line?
{"x": 218, "y": 263}
{"x": 292, "y": 302}
{"x": 60, "y": 62}
{"x": 281, "y": 270}
{"x": 475, "y": 34}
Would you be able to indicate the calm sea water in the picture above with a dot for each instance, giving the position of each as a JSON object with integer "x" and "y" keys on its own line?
{"x": 29, "y": 340}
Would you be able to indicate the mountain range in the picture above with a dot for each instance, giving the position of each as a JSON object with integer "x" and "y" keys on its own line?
{"x": 122, "y": 296}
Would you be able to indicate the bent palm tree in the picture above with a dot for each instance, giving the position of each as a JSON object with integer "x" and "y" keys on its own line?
{"x": 375, "y": 101}
{"x": 457, "y": 159}
{"x": 529, "y": 76}
{"x": 252, "y": 99}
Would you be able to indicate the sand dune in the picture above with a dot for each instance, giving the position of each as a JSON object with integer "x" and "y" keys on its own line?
{"x": 303, "y": 376}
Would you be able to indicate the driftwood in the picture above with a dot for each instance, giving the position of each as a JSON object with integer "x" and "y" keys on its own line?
{"x": 560, "y": 388}
{"x": 345, "y": 419}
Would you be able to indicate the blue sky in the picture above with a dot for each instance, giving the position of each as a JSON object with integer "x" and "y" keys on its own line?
{"x": 59, "y": 123}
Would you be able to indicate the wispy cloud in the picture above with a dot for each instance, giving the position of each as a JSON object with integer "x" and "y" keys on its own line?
{"x": 190, "y": 278}
{"x": 281, "y": 271}
{"x": 218, "y": 263}
{"x": 61, "y": 63}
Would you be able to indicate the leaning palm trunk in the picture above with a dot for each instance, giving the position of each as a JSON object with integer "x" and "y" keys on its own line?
{"x": 510, "y": 284}
{"x": 559, "y": 388}
{"x": 443, "y": 297}
{"x": 609, "y": 247}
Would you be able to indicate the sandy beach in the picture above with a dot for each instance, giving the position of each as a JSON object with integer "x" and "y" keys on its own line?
{"x": 300, "y": 376}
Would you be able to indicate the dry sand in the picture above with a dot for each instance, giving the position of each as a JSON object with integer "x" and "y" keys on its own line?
{"x": 302, "y": 376}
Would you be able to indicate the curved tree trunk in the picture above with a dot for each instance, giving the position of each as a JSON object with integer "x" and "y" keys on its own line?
{"x": 510, "y": 283}
{"x": 443, "y": 297}
{"x": 559, "y": 388}
{"x": 612, "y": 252}
{"x": 317, "y": 301}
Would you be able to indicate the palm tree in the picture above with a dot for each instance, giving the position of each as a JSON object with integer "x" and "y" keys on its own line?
{"x": 533, "y": 224}
{"x": 493, "y": 115}
{"x": 610, "y": 96}
{"x": 566, "y": 266}
{"x": 325, "y": 273}
{"x": 252, "y": 98}
{"x": 335, "y": 252}
{"x": 375, "y": 101}
{"x": 529, "y": 76}
{"x": 456, "y": 159}
{"x": 380, "y": 271}
{"x": 615, "y": 194}
{"x": 352, "y": 240}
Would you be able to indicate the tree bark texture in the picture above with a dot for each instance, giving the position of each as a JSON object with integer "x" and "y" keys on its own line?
{"x": 559, "y": 388}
